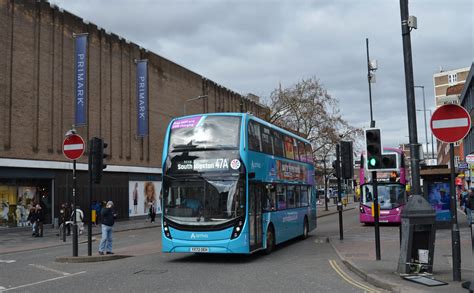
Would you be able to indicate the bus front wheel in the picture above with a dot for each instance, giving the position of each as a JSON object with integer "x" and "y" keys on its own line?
{"x": 270, "y": 240}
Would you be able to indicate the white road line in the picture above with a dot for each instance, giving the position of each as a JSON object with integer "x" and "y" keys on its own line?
{"x": 7, "y": 261}
{"x": 49, "y": 269}
{"x": 40, "y": 282}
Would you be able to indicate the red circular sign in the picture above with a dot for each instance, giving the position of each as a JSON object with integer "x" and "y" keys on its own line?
{"x": 73, "y": 147}
{"x": 450, "y": 123}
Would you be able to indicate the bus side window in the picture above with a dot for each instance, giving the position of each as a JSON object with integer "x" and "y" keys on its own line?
{"x": 268, "y": 203}
{"x": 278, "y": 146}
{"x": 281, "y": 194}
{"x": 304, "y": 196}
{"x": 297, "y": 196}
{"x": 309, "y": 153}
{"x": 290, "y": 196}
{"x": 289, "y": 147}
{"x": 255, "y": 143}
{"x": 266, "y": 140}
{"x": 302, "y": 151}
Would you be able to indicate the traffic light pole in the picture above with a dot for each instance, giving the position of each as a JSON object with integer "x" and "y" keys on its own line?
{"x": 89, "y": 225}
{"x": 339, "y": 200}
{"x": 375, "y": 210}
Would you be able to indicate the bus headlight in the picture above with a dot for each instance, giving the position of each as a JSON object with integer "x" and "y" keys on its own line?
{"x": 166, "y": 230}
{"x": 361, "y": 209}
{"x": 237, "y": 229}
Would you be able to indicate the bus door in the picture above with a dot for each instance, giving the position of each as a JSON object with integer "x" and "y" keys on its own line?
{"x": 255, "y": 216}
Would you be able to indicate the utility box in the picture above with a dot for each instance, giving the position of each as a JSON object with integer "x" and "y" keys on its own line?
{"x": 418, "y": 232}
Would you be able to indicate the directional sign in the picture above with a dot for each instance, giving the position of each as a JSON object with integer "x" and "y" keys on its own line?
{"x": 73, "y": 147}
{"x": 450, "y": 123}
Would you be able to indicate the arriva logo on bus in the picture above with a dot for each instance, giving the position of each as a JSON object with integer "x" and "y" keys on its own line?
{"x": 199, "y": 236}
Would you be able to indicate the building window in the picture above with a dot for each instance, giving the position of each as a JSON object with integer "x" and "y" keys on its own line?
{"x": 452, "y": 78}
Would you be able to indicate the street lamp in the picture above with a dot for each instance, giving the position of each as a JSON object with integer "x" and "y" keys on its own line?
{"x": 192, "y": 99}
{"x": 424, "y": 110}
{"x": 432, "y": 143}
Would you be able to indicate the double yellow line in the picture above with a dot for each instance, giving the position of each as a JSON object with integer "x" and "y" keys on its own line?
{"x": 348, "y": 279}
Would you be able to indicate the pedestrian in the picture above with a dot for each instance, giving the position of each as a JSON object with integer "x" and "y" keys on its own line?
{"x": 108, "y": 220}
{"x": 470, "y": 206}
{"x": 152, "y": 211}
{"x": 65, "y": 216}
{"x": 32, "y": 219}
{"x": 79, "y": 219}
{"x": 39, "y": 221}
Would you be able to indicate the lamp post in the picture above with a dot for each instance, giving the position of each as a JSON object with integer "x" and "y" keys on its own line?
{"x": 432, "y": 143}
{"x": 424, "y": 110}
{"x": 192, "y": 99}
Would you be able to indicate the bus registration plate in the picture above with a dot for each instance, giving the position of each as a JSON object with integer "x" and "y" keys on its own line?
{"x": 199, "y": 249}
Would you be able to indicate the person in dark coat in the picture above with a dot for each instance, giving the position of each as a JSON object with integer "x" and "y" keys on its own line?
{"x": 32, "y": 219}
{"x": 39, "y": 221}
{"x": 108, "y": 220}
{"x": 470, "y": 207}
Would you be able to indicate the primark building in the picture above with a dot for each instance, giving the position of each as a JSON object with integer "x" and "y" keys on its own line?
{"x": 38, "y": 98}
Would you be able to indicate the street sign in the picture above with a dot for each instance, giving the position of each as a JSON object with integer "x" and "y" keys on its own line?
{"x": 73, "y": 147}
{"x": 450, "y": 123}
{"x": 470, "y": 159}
{"x": 463, "y": 166}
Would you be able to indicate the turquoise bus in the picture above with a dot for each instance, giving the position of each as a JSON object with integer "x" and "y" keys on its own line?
{"x": 233, "y": 183}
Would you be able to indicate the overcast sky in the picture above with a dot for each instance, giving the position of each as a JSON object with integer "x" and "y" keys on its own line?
{"x": 252, "y": 46}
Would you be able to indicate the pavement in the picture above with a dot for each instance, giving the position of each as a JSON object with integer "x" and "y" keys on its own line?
{"x": 356, "y": 250}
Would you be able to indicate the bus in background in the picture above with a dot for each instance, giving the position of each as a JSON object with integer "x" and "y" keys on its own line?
{"x": 391, "y": 187}
{"x": 233, "y": 183}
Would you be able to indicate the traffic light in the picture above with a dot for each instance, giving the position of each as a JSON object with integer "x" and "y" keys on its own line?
{"x": 336, "y": 169}
{"x": 373, "y": 148}
{"x": 389, "y": 161}
{"x": 96, "y": 158}
{"x": 347, "y": 160}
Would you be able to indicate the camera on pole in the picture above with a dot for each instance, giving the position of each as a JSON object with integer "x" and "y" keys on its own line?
{"x": 374, "y": 148}
{"x": 97, "y": 164}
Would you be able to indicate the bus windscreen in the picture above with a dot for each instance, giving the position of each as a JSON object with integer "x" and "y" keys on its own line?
{"x": 390, "y": 196}
{"x": 205, "y": 132}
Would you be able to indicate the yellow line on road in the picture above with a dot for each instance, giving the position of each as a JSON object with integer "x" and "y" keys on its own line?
{"x": 348, "y": 279}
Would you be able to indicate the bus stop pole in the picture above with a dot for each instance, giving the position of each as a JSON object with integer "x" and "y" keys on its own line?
{"x": 455, "y": 237}
{"x": 74, "y": 227}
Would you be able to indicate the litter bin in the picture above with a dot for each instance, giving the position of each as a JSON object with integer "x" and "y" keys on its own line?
{"x": 417, "y": 237}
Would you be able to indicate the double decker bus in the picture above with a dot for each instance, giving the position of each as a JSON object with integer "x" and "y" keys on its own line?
{"x": 233, "y": 183}
{"x": 391, "y": 190}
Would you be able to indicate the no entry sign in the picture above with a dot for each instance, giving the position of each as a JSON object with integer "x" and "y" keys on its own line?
{"x": 73, "y": 147}
{"x": 450, "y": 123}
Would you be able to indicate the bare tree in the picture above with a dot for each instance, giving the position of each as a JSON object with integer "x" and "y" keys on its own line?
{"x": 309, "y": 110}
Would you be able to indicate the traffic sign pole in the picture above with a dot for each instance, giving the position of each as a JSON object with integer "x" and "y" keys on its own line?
{"x": 451, "y": 123}
{"x": 75, "y": 240}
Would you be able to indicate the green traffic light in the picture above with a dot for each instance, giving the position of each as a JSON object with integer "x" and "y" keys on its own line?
{"x": 372, "y": 162}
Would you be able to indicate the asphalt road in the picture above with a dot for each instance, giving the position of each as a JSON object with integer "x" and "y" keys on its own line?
{"x": 309, "y": 265}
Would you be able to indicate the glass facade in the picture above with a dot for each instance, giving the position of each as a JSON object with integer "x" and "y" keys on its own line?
{"x": 18, "y": 196}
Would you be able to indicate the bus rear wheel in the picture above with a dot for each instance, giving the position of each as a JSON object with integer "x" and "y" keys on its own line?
{"x": 270, "y": 241}
{"x": 305, "y": 229}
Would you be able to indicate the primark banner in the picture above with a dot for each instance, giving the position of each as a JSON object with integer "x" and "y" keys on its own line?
{"x": 142, "y": 97}
{"x": 81, "y": 79}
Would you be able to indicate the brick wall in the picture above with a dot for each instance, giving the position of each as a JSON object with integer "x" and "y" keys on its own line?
{"x": 37, "y": 88}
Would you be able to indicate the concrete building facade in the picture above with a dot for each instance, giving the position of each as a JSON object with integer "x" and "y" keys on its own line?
{"x": 37, "y": 108}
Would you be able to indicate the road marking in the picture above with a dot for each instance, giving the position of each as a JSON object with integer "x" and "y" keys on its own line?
{"x": 40, "y": 282}
{"x": 49, "y": 269}
{"x": 348, "y": 279}
{"x": 7, "y": 261}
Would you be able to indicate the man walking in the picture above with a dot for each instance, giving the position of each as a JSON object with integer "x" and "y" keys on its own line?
{"x": 470, "y": 207}
{"x": 108, "y": 220}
